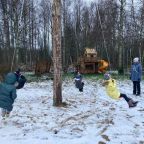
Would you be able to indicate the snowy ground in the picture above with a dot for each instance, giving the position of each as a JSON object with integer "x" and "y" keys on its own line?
{"x": 91, "y": 117}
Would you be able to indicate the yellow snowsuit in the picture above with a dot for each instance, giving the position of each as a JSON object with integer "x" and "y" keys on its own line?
{"x": 111, "y": 88}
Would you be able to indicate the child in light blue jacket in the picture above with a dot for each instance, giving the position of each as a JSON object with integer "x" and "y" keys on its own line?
{"x": 135, "y": 76}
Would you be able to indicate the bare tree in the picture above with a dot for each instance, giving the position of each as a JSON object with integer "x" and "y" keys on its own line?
{"x": 6, "y": 35}
{"x": 57, "y": 60}
{"x": 141, "y": 27}
{"x": 45, "y": 19}
{"x": 121, "y": 35}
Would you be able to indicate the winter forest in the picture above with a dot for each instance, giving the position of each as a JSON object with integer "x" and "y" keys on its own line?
{"x": 113, "y": 27}
{"x": 60, "y": 101}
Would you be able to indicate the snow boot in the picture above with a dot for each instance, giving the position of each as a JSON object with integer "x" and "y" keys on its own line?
{"x": 132, "y": 103}
{"x": 4, "y": 113}
{"x": 135, "y": 102}
{"x": 81, "y": 90}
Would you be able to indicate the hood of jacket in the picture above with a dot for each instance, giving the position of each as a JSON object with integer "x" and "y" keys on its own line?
{"x": 10, "y": 78}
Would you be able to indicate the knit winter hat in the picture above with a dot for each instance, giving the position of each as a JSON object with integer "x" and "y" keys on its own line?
{"x": 136, "y": 59}
{"x": 107, "y": 76}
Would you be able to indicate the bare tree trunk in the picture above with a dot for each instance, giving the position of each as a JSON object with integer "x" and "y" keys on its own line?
{"x": 6, "y": 29}
{"x": 64, "y": 38}
{"x": 121, "y": 35}
{"x": 56, "y": 44}
{"x": 141, "y": 32}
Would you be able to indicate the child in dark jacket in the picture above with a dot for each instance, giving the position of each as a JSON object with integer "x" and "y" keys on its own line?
{"x": 78, "y": 82}
{"x": 21, "y": 80}
{"x": 8, "y": 94}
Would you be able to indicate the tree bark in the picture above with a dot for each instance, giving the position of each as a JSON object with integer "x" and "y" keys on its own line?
{"x": 57, "y": 60}
{"x": 121, "y": 35}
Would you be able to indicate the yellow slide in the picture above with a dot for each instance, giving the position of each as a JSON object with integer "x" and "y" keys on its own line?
{"x": 103, "y": 65}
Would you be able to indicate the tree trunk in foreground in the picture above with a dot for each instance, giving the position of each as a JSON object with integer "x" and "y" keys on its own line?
{"x": 56, "y": 44}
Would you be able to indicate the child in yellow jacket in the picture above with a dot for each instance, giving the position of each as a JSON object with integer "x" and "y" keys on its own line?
{"x": 113, "y": 92}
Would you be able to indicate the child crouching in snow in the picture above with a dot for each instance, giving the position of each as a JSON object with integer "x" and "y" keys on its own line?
{"x": 114, "y": 93}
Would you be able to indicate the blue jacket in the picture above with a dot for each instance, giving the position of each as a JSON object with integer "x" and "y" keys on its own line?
{"x": 136, "y": 72}
{"x": 8, "y": 92}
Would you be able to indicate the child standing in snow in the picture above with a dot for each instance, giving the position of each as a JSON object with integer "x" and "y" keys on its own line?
{"x": 135, "y": 76}
{"x": 78, "y": 81}
{"x": 7, "y": 94}
{"x": 114, "y": 93}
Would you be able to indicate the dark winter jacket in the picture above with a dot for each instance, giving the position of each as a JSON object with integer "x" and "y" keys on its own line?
{"x": 20, "y": 79}
{"x": 8, "y": 92}
{"x": 136, "y": 72}
{"x": 78, "y": 81}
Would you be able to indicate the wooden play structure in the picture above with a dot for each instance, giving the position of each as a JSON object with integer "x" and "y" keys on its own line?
{"x": 90, "y": 63}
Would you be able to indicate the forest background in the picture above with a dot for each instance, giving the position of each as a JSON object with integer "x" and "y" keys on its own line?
{"x": 113, "y": 27}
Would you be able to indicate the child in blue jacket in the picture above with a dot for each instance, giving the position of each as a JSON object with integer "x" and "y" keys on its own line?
{"x": 135, "y": 76}
{"x": 7, "y": 94}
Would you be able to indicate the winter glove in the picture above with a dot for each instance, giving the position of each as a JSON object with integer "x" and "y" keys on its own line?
{"x": 23, "y": 77}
